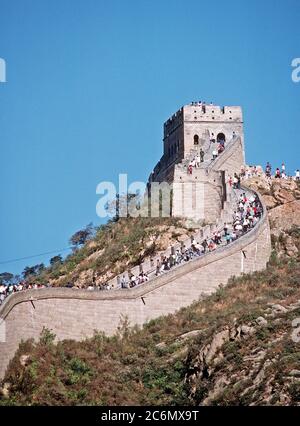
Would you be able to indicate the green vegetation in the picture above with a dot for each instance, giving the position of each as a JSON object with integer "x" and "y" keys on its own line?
{"x": 152, "y": 366}
{"x": 105, "y": 251}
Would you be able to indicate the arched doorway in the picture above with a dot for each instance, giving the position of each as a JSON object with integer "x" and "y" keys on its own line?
{"x": 221, "y": 138}
{"x": 196, "y": 140}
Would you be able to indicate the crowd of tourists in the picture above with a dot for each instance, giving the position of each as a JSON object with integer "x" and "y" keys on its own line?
{"x": 280, "y": 173}
{"x": 199, "y": 157}
{"x": 7, "y": 290}
{"x": 246, "y": 215}
{"x": 248, "y": 172}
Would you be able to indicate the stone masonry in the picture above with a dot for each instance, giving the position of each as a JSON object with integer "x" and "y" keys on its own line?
{"x": 200, "y": 196}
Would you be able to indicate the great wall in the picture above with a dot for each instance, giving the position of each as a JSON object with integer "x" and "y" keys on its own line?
{"x": 76, "y": 314}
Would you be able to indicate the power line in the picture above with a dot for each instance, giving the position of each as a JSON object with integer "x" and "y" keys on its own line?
{"x": 33, "y": 256}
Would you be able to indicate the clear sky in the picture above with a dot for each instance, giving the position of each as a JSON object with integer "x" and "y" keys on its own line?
{"x": 90, "y": 83}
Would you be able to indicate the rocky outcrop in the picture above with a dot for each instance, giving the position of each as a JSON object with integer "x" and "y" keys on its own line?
{"x": 282, "y": 199}
{"x": 250, "y": 377}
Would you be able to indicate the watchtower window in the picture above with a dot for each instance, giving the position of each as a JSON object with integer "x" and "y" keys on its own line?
{"x": 196, "y": 140}
{"x": 221, "y": 137}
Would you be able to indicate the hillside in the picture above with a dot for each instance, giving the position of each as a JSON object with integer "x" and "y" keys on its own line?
{"x": 236, "y": 347}
{"x": 115, "y": 247}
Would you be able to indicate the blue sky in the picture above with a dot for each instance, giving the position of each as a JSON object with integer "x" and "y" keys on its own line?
{"x": 90, "y": 83}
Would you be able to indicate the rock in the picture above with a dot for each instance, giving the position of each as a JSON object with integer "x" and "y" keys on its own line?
{"x": 270, "y": 201}
{"x": 161, "y": 345}
{"x": 93, "y": 256}
{"x": 244, "y": 331}
{"x": 5, "y": 390}
{"x": 294, "y": 373}
{"x": 179, "y": 354}
{"x": 188, "y": 335}
{"x": 219, "y": 386}
{"x": 283, "y": 217}
{"x": 279, "y": 309}
{"x": 261, "y": 321}
{"x": 274, "y": 341}
{"x": 256, "y": 357}
{"x": 85, "y": 278}
{"x": 24, "y": 360}
{"x": 290, "y": 247}
{"x": 217, "y": 342}
{"x": 261, "y": 374}
{"x": 283, "y": 196}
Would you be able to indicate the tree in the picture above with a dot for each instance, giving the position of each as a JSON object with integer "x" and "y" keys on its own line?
{"x": 56, "y": 260}
{"x": 119, "y": 206}
{"x": 6, "y": 278}
{"x": 82, "y": 236}
{"x": 33, "y": 270}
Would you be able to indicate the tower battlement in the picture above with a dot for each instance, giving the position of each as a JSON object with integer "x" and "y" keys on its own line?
{"x": 193, "y": 125}
{"x": 196, "y": 128}
{"x": 197, "y": 111}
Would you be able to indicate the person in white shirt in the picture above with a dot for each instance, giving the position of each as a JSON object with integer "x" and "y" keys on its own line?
{"x": 297, "y": 176}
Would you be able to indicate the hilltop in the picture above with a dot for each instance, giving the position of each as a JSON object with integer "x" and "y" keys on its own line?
{"x": 235, "y": 347}
{"x": 115, "y": 247}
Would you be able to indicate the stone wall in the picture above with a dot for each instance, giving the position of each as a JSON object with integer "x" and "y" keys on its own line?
{"x": 197, "y": 196}
{"x": 75, "y": 314}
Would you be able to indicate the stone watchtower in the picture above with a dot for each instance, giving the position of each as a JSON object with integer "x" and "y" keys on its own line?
{"x": 192, "y": 128}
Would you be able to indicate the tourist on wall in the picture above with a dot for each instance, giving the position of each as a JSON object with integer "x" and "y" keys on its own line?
{"x": 201, "y": 155}
{"x": 277, "y": 173}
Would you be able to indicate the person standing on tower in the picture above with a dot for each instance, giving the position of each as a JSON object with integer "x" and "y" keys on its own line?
{"x": 268, "y": 169}
{"x": 201, "y": 155}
